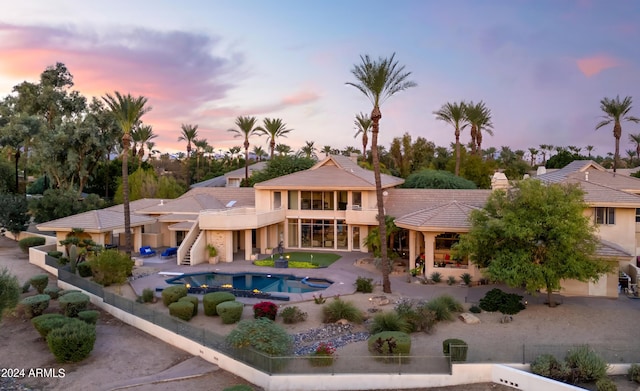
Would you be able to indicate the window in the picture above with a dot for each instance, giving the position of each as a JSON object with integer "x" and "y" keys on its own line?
{"x": 277, "y": 200}
{"x": 293, "y": 199}
{"x": 637, "y": 215}
{"x": 356, "y": 199}
{"x": 606, "y": 216}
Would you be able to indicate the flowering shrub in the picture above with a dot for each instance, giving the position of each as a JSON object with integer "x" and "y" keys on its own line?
{"x": 323, "y": 355}
{"x": 265, "y": 309}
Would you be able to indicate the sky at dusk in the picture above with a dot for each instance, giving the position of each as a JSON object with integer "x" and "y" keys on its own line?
{"x": 541, "y": 66}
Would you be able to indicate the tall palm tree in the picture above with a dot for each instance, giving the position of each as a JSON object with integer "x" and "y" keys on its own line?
{"x": 635, "y": 138}
{"x": 246, "y": 128}
{"x": 151, "y": 147}
{"x": 283, "y": 149}
{"x": 630, "y": 153}
{"x": 127, "y": 111}
{"x": 454, "y": 114}
{"x": 201, "y": 146}
{"x": 378, "y": 80}
{"x": 259, "y": 152}
{"x": 143, "y": 134}
{"x": 273, "y": 128}
{"x": 189, "y": 133}
{"x": 479, "y": 117}
{"x": 308, "y": 150}
{"x": 616, "y": 111}
{"x": 533, "y": 153}
{"x": 327, "y": 150}
{"x": 589, "y": 149}
{"x": 363, "y": 126}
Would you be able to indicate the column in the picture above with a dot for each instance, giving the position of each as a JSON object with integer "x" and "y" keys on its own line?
{"x": 429, "y": 251}
{"x": 412, "y": 249}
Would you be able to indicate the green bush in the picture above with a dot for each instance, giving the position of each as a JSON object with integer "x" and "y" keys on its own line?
{"x": 634, "y": 373}
{"x": 389, "y": 321}
{"x": 263, "y": 335}
{"x": 39, "y": 282}
{"x": 239, "y": 387}
{"x": 364, "y": 285}
{"x": 585, "y": 364}
{"x": 389, "y": 343}
{"x": 89, "y": 316}
{"x": 148, "y": 295}
{"x": 173, "y": 293}
{"x": 47, "y": 322}
{"x": 63, "y": 260}
{"x": 211, "y": 300}
{"x": 548, "y": 366}
{"x": 111, "y": 267}
{"x": 67, "y": 292}
{"x": 443, "y": 307}
{"x": 456, "y": 348}
{"x": 193, "y": 300}
{"x": 422, "y": 319}
{"x": 56, "y": 254}
{"x": 35, "y": 305}
{"x": 466, "y": 278}
{"x": 451, "y": 280}
{"x": 436, "y": 277}
{"x": 340, "y": 309}
{"x": 9, "y": 291}
{"x": 606, "y": 384}
{"x": 84, "y": 269}
{"x": 230, "y": 311}
{"x": 506, "y": 303}
{"x": 72, "y": 303}
{"x": 31, "y": 241}
{"x": 52, "y": 291}
{"x": 292, "y": 315}
{"x": 182, "y": 310}
{"x": 73, "y": 342}
{"x": 26, "y": 286}
{"x": 475, "y": 309}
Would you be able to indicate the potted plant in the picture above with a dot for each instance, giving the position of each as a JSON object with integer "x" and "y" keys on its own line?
{"x": 213, "y": 253}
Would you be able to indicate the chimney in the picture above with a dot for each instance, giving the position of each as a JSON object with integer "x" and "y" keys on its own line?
{"x": 586, "y": 176}
{"x": 354, "y": 157}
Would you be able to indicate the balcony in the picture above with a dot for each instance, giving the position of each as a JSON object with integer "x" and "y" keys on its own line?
{"x": 238, "y": 218}
{"x": 361, "y": 216}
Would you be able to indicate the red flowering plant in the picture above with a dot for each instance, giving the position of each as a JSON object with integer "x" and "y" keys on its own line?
{"x": 323, "y": 355}
{"x": 265, "y": 309}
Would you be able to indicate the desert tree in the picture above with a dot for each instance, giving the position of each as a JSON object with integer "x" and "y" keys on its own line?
{"x": 616, "y": 111}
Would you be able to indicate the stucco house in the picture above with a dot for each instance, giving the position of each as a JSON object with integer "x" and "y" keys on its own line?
{"x": 332, "y": 207}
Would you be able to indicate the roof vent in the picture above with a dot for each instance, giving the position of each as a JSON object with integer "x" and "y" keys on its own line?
{"x": 586, "y": 176}
{"x": 161, "y": 202}
{"x": 231, "y": 203}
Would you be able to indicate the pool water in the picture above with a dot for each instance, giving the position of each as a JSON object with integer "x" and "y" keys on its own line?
{"x": 282, "y": 283}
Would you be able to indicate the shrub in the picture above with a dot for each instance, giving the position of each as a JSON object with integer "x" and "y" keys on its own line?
{"x": 211, "y": 300}
{"x": 148, "y": 295}
{"x": 292, "y": 315}
{"x": 39, "y": 282}
{"x": 72, "y": 342}
{"x": 111, "y": 267}
{"x": 239, "y": 387}
{"x": 182, "y": 310}
{"x": 9, "y": 291}
{"x": 443, "y": 306}
{"x": 265, "y": 309}
{"x": 548, "y": 366}
{"x": 390, "y": 343}
{"x": 436, "y": 277}
{"x": 455, "y": 348}
{"x": 506, "y": 303}
{"x": 56, "y": 254}
{"x": 26, "y": 286}
{"x": 606, "y": 384}
{"x": 35, "y": 305}
{"x": 466, "y": 278}
{"x": 451, "y": 280}
{"x": 89, "y": 316}
{"x": 364, "y": 285}
{"x": 319, "y": 299}
{"x": 475, "y": 309}
{"x": 63, "y": 260}
{"x": 585, "y": 364}
{"x": 340, "y": 309}
{"x": 47, "y": 322}
{"x": 72, "y": 303}
{"x": 422, "y": 319}
{"x": 69, "y": 292}
{"x": 84, "y": 269}
{"x": 263, "y": 335}
{"x": 31, "y": 241}
{"x": 323, "y": 355}
{"x": 389, "y": 321}
{"x": 230, "y": 311}
{"x": 193, "y": 300}
{"x": 634, "y": 373}
{"x": 173, "y": 293}
{"x": 52, "y": 291}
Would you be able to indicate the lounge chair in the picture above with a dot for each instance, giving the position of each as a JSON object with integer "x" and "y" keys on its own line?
{"x": 147, "y": 251}
{"x": 169, "y": 252}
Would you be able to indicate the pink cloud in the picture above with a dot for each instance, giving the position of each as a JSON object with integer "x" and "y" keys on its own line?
{"x": 300, "y": 98}
{"x": 591, "y": 66}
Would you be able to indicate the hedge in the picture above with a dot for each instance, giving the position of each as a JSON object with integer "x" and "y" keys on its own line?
{"x": 47, "y": 322}
{"x": 31, "y": 241}
{"x": 39, "y": 282}
{"x": 73, "y": 302}
{"x": 173, "y": 293}
{"x": 230, "y": 311}
{"x": 191, "y": 299}
{"x": 211, "y": 300}
{"x": 52, "y": 291}
{"x": 182, "y": 310}
{"x": 72, "y": 342}
{"x": 89, "y": 316}
{"x": 35, "y": 305}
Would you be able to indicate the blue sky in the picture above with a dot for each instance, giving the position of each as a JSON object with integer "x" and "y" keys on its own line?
{"x": 542, "y": 66}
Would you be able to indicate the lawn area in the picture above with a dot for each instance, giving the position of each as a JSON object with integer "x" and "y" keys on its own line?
{"x": 321, "y": 259}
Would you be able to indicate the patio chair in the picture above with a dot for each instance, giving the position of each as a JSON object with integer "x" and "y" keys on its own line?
{"x": 147, "y": 251}
{"x": 169, "y": 252}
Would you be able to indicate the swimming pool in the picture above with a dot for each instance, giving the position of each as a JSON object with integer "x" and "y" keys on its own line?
{"x": 253, "y": 282}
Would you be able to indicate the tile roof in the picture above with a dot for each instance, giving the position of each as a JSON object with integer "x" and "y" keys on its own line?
{"x": 401, "y": 202}
{"x": 596, "y": 194}
{"x": 334, "y": 172}
{"x": 202, "y": 198}
{"x": 137, "y": 204}
{"x": 573, "y": 167}
{"x": 221, "y": 181}
{"x": 101, "y": 220}
{"x": 609, "y": 249}
{"x": 452, "y": 215}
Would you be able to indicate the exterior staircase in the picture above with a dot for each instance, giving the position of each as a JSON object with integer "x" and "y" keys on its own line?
{"x": 186, "y": 260}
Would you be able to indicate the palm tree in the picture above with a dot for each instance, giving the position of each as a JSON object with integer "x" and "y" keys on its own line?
{"x": 454, "y": 114}
{"x": 246, "y": 128}
{"x": 189, "y": 133}
{"x": 273, "y": 128}
{"x": 616, "y": 111}
{"x": 326, "y": 150}
{"x": 534, "y": 153}
{"x": 308, "y": 150}
{"x": 127, "y": 112}
{"x": 379, "y": 80}
{"x": 201, "y": 146}
{"x": 151, "y": 147}
{"x": 589, "y": 149}
{"x": 143, "y": 134}
{"x": 630, "y": 153}
{"x": 259, "y": 152}
{"x": 635, "y": 138}
{"x": 283, "y": 149}
{"x": 479, "y": 117}
{"x": 363, "y": 125}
